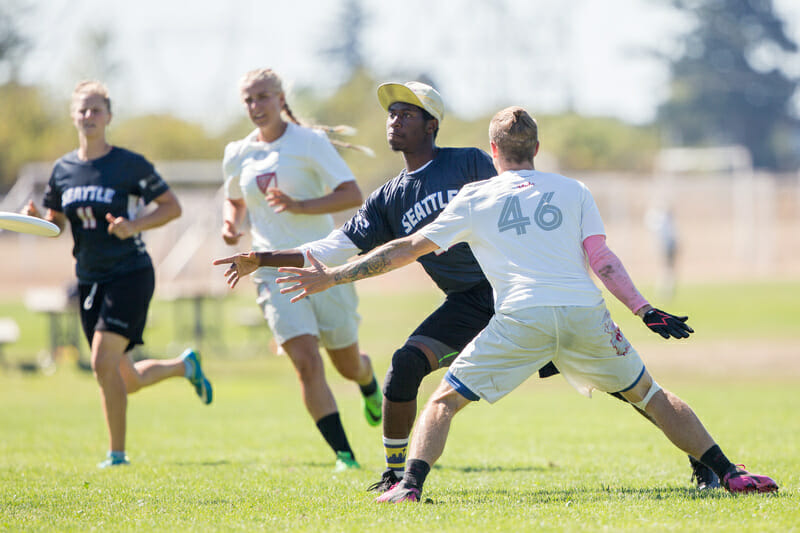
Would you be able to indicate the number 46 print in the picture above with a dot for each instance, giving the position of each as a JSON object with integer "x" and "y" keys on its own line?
{"x": 547, "y": 216}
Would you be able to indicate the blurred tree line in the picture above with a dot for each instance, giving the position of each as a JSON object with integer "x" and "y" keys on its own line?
{"x": 727, "y": 87}
{"x": 37, "y": 129}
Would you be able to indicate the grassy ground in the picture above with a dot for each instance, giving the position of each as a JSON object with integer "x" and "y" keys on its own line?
{"x": 544, "y": 458}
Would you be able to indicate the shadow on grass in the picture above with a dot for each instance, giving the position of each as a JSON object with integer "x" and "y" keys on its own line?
{"x": 496, "y": 468}
{"x": 578, "y": 495}
{"x": 202, "y": 463}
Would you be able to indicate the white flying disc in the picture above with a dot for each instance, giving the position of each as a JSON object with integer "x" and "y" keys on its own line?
{"x": 26, "y": 224}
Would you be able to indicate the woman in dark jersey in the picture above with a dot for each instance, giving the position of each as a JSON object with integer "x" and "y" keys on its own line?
{"x": 102, "y": 190}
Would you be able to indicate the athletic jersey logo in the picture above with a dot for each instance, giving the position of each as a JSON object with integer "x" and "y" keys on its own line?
{"x": 87, "y": 193}
{"x": 265, "y": 181}
{"x": 152, "y": 182}
{"x": 433, "y": 203}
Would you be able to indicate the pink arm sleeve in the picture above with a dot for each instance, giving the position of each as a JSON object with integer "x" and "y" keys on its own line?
{"x": 609, "y": 269}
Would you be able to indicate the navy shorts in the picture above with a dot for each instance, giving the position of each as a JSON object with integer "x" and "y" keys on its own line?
{"x": 119, "y": 305}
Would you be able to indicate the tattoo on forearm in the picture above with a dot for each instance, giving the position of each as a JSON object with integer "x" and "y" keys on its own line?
{"x": 372, "y": 265}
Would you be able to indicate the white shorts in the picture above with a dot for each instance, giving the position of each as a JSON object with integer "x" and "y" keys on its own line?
{"x": 584, "y": 343}
{"x": 330, "y": 316}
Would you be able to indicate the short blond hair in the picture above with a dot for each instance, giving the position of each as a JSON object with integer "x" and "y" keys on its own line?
{"x": 515, "y": 133}
{"x": 91, "y": 87}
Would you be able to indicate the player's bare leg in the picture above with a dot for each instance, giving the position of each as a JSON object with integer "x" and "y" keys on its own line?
{"x": 303, "y": 351}
{"x": 673, "y": 416}
{"x": 682, "y": 426}
{"x": 352, "y": 364}
{"x": 434, "y": 424}
{"x": 704, "y": 477}
{"x": 149, "y": 372}
{"x": 107, "y": 352}
{"x": 357, "y": 366}
{"x": 398, "y": 418}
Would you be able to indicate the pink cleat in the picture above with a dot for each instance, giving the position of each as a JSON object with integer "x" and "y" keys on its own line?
{"x": 398, "y": 494}
{"x": 742, "y": 481}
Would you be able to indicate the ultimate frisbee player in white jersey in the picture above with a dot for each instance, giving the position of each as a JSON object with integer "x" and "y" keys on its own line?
{"x": 287, "y": 179}
{"x": 532, "y": 233}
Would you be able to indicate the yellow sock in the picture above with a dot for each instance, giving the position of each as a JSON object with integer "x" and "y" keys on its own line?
{"x": 396, "y": 450}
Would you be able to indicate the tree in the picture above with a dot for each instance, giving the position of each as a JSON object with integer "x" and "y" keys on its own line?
{"x": 727, "y": 87}
{"x": 32, "y": 129}
{"x": 12, "y": 44}
{"x": 345, "y": 47}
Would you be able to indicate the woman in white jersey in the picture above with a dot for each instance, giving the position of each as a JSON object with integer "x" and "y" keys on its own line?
{"x": 287, "y": 179}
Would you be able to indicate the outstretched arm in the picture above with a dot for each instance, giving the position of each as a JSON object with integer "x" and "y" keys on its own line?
{"x": 246, "y": 263}
{"x": 385, "y": 258}
{"x": 612, "y": 273}
{"x": 335, "y": 248}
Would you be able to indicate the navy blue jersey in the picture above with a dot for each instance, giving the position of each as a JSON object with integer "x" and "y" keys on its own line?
{"x": 121, "y": 183}
{"x": 410, "y": 201}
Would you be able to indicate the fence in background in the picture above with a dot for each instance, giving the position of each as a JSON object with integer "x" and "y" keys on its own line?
{"x": 741, "y": 225}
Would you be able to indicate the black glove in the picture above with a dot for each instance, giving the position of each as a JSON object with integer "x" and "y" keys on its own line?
{"x": 666, "y": 324}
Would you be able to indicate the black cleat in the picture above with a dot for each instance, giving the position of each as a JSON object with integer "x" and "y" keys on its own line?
{"x": 388, "y": 480}
{"x": 703, "y": 475}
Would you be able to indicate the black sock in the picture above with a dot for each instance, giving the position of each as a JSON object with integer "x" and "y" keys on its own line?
{"x": 716, "y": 461}
{"x": 370, "y": 388}
{"x": 331, "y": 428}
{"x": 416, "y": 472}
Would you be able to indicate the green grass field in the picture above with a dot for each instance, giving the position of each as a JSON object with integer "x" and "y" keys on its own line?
{"x": 545, "y": 458}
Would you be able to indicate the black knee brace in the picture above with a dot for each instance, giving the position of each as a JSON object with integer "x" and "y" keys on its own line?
{"x": 409, "y": 366}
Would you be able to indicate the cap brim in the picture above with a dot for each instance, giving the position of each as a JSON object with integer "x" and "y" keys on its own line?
{"x": 389, "y": 93}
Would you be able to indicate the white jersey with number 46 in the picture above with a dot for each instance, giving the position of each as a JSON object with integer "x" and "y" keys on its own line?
{"x": 526, "y": 229}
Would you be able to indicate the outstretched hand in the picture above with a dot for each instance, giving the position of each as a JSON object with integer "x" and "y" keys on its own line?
{"x": 240, "y": 265}
{"x": 667, "y": 325}
{"x": 316, "y": 278}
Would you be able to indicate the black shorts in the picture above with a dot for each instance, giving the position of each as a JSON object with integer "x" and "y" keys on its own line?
{"x": 119, "y": 305}
{"x": 458, "y": 320}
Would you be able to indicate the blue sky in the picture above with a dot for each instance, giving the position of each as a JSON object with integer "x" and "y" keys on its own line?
{"x": 185, "y": 58}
